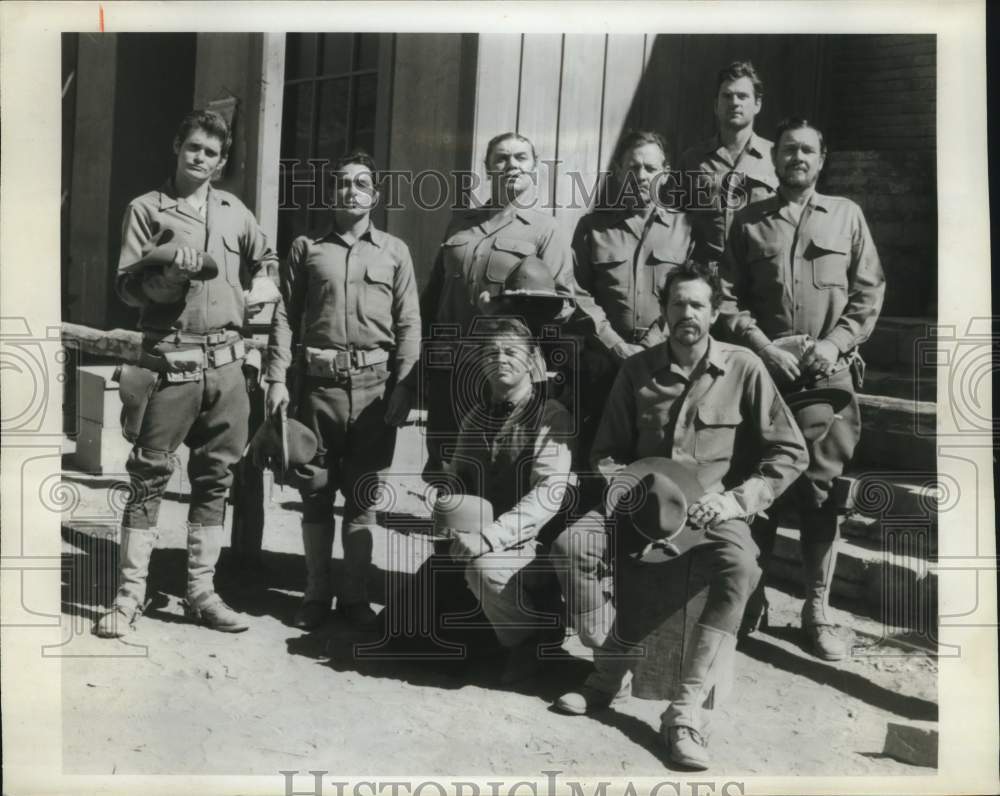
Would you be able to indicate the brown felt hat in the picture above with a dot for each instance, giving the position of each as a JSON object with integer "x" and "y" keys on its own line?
{"x": 815, "y": 410}
{"x": 160, "y": 250}
{"x": 648, "y": 502}
{"x": 531, "y": 279}
{"x": 266, "y": 446}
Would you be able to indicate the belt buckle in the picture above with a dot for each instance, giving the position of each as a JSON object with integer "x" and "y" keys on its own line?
{"x": 342, "y": 361}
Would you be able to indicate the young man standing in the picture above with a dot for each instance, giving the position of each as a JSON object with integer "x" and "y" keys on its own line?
{"x": 351, "y": 314}
{"x": 713, "y": 408}
{"x": 192, "y": 389}
{"x": 732, "y": 168}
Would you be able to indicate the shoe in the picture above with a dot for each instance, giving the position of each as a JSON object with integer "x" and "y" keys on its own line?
{"x": 117, "y": 622}
{"x": 359, "y": 615}
{"x": 686, "y": 747}
{"x": 522, "y": 663}
{"x": 311, "y": 615}
{"x": 825, "y": 642}
{"x": 588, "y": 699}
{"x": 215, "y": 614}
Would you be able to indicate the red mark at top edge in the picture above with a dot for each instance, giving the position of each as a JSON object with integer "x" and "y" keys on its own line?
{"x": 101, "y": 18}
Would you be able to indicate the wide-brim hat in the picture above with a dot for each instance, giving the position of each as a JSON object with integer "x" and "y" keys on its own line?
{"x": 815, "y": 410}
{"x": 531, "y": 279}
{"x": 461, "y": 514}
{"x": 159, "y": 252}
{"x": 283, "y": 441}
{"x": 648, "y": 503}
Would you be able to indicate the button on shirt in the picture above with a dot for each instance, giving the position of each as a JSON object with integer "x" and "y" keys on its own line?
{"x": 337, "y": 296}
{"x": 716, "y": 187}
{"x": 820, "y": 276}
{"x": 622, "y": 259}
{"x": 725, "y": 420}
{"x": 228, "y": 232}
{"x": 480, "y": 250}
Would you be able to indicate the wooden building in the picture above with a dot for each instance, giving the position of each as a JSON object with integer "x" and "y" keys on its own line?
{"x": 426, "y": 103}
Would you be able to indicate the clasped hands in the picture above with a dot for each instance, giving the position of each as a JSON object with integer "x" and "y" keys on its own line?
{"x": 790, "y": 358}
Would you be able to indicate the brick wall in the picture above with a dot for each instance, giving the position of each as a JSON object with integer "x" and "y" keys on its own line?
{"x": 881, "y": 130}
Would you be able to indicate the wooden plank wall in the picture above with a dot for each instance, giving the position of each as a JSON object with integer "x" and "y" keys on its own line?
{"x": 574, "y": 95}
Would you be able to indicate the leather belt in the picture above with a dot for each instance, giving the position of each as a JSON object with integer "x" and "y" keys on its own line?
{"x": 334, "y": 363}
{"x": 188, "y": 363}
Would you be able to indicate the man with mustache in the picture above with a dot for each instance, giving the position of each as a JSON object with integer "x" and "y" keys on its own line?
{"x": 805, "y": 287}
{"x": 732, "y": 168}
{"x": 352, "y": 311}
{"x": 713, "y": 408}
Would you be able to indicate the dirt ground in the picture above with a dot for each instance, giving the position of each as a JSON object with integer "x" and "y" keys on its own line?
{"x": 180, "y": 699}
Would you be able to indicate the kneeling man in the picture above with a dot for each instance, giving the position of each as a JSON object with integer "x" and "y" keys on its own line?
{"x": 714, "y": 409}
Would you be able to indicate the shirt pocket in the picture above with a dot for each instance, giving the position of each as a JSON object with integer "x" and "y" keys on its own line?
{"x": 378, "y": 291}
{"x": 453, "y": 253}
{"x": 715, "y": 432}
{"x": 233, "y": 261}
{"x": 830, "y": 258}
{"x": 505, "y": 254}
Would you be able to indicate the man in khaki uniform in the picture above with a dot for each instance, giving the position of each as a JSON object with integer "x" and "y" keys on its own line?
{"x": 805, "y": 287}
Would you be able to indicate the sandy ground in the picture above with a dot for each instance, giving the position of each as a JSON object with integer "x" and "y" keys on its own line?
{"x": 176, "y": 698}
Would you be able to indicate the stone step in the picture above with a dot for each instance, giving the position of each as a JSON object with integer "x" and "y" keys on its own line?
{"x": 892, "y": 586}
{"x": 897, "y": 433}
{"x": 906, "y": 382}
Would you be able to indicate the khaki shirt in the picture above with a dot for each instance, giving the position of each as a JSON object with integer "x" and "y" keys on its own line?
{"x": 339, "y": 296}
{"x": 727, "y": 422}
{"x": 478, "y": 254}
{"x": 821, "y": 277}
{"x": 715, "y": 187}
{"x": 229, "y": 233}
{"x": 623, "y": 262}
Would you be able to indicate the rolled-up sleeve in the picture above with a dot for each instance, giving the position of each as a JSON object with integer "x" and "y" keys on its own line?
{"x": 783, "y": 453}
{"x": 136, "y": 231}
{"x": 256, "y": 251}
{"x": 548, "y": 481}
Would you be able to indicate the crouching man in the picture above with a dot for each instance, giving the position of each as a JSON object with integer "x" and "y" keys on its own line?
{"x": 712, "y": 408}
{"x": 513, "y": 451}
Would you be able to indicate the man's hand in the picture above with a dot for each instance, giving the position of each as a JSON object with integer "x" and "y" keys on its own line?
{"x": 820, "y": 358}
{"x": 262, "y": 291}
{"x": 187, "y": 261}
{"x": 277, "y": 397}
{"x": 466, "y": 546}
{"x": 782, "y": 365}
{"x": 398, "y": 406}
{"x": 624, "y": 350}
{"x": 713, "y": 509}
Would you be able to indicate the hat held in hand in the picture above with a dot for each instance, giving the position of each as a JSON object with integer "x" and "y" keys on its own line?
{"x": 160, "y": 251}
{"x": 531, "y": 278}
{"x": 815, "y": 410}
{"x": 282, "y": 449}
{"x": 461, "y": 514}
{"x": 648, "y": 503}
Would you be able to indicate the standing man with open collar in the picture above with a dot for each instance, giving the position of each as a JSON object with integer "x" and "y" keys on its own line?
{"x": 351, "y": 314}
{"x": 622, "y": 254}
{"x": 732, "y": 168}
{"x": 193, "y": 390}
{"x": 805, "y": 287}
{"x": 482, "y": 247}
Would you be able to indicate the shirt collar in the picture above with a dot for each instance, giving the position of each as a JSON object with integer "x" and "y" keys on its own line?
{"x": 756, "y": 146}
{"x": 169, "y": 198}
{"x": 713, "y": 360}
{"x": 371, "y": 234}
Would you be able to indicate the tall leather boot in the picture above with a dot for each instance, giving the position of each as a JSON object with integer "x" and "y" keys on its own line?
{"x": 135, "y": 550}
{"x": 203, "y": 605}
{"x": 684, "y": 726}
{"x": 819, "y": 560}
{"x": 317, "y": 543}
{"x": 352, "y": 602}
